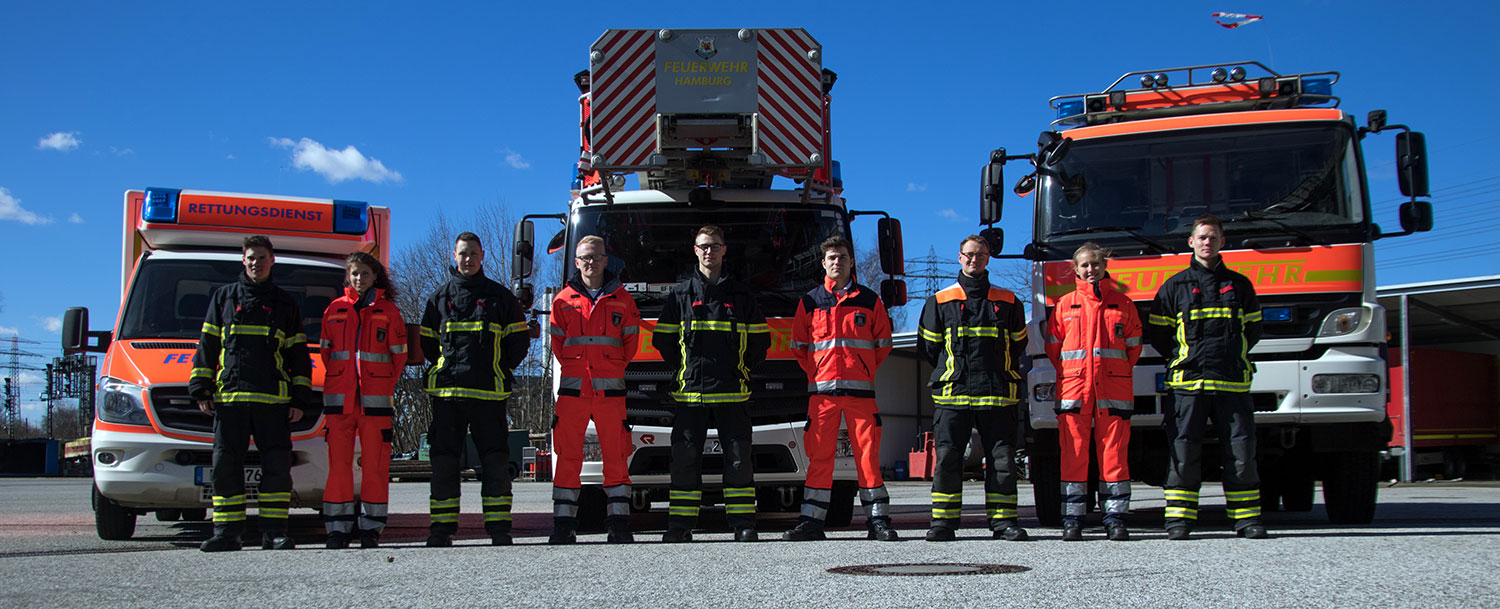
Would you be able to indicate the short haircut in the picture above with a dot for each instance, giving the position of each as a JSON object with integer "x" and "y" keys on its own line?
{"x": 592, "y": 240}
{"x": 257, "y": 241}
{"x": 712, "y": 231}
{"x": 1210, "y": 220}
{"x": 836, "y": 241}
{"x": 977, "y": 239}
{"x": 1091, "y": 247}
{"x": 471, "y": 238}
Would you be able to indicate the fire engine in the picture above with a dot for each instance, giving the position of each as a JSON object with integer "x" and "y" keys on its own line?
{"x": 703, "y": 121}
{"x": 152, "y": 449}
{"x": 1131, "y": 167}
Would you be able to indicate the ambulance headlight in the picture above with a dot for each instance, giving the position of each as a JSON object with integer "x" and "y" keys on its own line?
{"x": 1341, "y": 322}
{"x": 1044, "y": 392}
{"x": 120, "y": 402}
{"x": 1345, "y": 383}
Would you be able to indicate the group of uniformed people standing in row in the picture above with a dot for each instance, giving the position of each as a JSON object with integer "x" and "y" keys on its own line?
{"x": 252, "y": 372}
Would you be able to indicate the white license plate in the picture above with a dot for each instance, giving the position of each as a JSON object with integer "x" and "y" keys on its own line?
{"x": 204, "y": 476}
{"x": 712, "y": 447}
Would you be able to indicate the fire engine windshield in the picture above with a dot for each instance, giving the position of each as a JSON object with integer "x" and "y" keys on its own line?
{"x": 169, "y": 297}
{"x": 1142, "y": 192}
{"x": 772, "y": 249}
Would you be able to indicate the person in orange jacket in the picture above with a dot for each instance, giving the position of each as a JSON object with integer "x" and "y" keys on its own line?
{"x": 595, "y": 329}
{"x": 840, "y": 335}
{"x": 1094, "y": 340}
{"x": 363, "y": 351}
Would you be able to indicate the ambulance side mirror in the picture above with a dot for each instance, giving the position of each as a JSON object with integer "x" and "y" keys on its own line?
{"x": 892, "y": 250}
{"x": 521, "y": 255}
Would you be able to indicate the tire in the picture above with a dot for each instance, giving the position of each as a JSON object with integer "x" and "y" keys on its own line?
{"x": 112, "y": 521}
{"x": 195, "y": 514}
{"x": 1046, "y": 483}
{"x": 1298, "y": 488}
{"x": 841, "y": 505}
{"x": 168, "y": 515}
{"x": 1350, "y": 486}
{"x": 591, "y": 502}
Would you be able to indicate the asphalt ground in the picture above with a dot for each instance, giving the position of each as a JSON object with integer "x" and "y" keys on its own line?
{"x": 1431, "y": 545}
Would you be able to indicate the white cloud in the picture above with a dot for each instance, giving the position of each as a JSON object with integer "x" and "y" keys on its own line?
{"x": 951, "y": 215}
{"x": 75, "y": 218}
{"x": 229, "y": 158}
{"x": 33, "y": 378}
{"x": 514, "y": 159}
{"x": 10, "y": 209}
{"x": 336, "y": 165}
{"x": 11, "y": 331}
{"x": 51, "y": 324}
{"x": 62, "y": 141}
{"x": 121, "y": 151}
{"x": 915, "y": 187}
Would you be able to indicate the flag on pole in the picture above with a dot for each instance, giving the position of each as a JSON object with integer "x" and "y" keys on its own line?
{"x": 1234, "y": 20}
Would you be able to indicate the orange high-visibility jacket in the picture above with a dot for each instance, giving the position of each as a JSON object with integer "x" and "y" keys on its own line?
{"x": 363, "y": 352}
{"x": 1094, "y": 340}
{"x": 840, "y": 338}
{"x": 594, "y": 339}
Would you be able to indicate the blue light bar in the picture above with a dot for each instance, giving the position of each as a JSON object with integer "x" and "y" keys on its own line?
{"x": 351, "y": 217}
{"x": 161, "y": 205}
{"x": 1069, "y": 108}
{"x": 1276, "y": 314}
{"x": 1317, "y": 86}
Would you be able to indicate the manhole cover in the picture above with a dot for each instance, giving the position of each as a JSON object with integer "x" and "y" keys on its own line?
{"x": 929, "y": 568}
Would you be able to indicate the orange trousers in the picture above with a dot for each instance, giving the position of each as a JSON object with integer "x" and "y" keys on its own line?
{"x": 374, "y": 435}
{"x": 822, "y": 436}
{"x": 1111, "y": 433}
{"x": 573, "y": 415}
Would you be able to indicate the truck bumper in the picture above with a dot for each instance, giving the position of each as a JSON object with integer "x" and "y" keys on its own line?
{"x": 150, "y": 471}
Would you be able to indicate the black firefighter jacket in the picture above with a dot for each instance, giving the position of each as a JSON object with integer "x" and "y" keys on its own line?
{"x": 474, "y": 334}
{"x": 1204, "y": 322}
{"x": 974, "y": 335}
{"x": 712, "y": 335}
{"x": 252, "y": 349}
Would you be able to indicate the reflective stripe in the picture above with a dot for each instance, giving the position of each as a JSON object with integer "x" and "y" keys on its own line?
{"x": 630, "y": 330}
{"x": 398, "y": 349}
{"x": 339, "y": 356}
{"x": 617, "y": 500}
{"x": 366, "y": 356}
{"x": 1181, "y": 512}
{"x": 1074, "y": 354}
{"x": 608, "y": 384}
{"x": 668, "y": 328}
{"x": 1213, "y": 313}
{"x": 1173, "y": 494}
{"x": 570, "y": 382}
{"x": 463, "y": 326}
{"x": 203, "y": 372}
{"x": 700, "y": 325}
{"x": 1116, "y": 497}
{"x": 1134, "y": 341}
{"x": 1110, "y": 353}
{"x": 851, "y": 343}
{"x": 565, "y": 502}
{"x": 428, "y": 332}
{"x": 376, "y": 401}
{"x": 325, "y": 344}
{"x": 979, "y": 331}
{"x": 608, "y": 341}
{"x": 826, "y": 386}
{"x": 248, "y": 330}
{"x": 333, "y": 399}
{"x": 801, "y": 346}
{"x": 739, "y": 492}
{"x": 685, "y": 495}
{"x": 877, "y": 502}
{"x": 302, "y": 381}
{"x": 1239, "y": 513}
{"x": 1002, "y": 513}
{"x": 556, "y": 331}
{"x": 1070, "y": 404}
{"x": 372, "y": 516}
{"x": 1117, "y": 404}
{"x": 516, "y": 328}
{"x": 758, "y": 328}
{"x": 1208, "y": 384}
{"x": 464, "y": 392}
{"x": 973, "y": 400}
{"x": 1251, "y": 495}
{"x": 496, "y": 508}
{"x": 709, "y": 398}
{"x": 683, "y": 510}
{"x": 211, "y": 330}
{"x": 1161, "y": 320}
{"x": 815, "y": 502}
{"x": 293, "y": 339}
{"x": 338, "y": 517}
{"x": 930, "y": 335}
{"x": 1017, "y": 337}
{"x": 1252, "y": 317}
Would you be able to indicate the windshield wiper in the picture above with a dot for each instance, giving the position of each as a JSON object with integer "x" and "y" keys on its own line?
{"x": 1252, "y": 217}
{"x": 1132, "y": 231}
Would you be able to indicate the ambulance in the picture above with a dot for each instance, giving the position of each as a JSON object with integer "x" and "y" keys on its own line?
{"x": 704, "y": 121}
{"x": 152, "y": 449}
{"x": 1131, "y": 166}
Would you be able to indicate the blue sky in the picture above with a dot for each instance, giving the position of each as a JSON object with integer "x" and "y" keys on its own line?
{"x": 447, "y": 106}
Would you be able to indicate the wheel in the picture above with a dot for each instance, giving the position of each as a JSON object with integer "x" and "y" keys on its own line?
{"x": 195, "y": 514}
{"x": 111, "y": 520}
{"x": 1046, "y": 484}
{"x": 591, "y": 502}
{"x": 1350, "y": 485}
{"x": 841, "y": 505}
{"x": 1298, "y": 487}
{"x": 168, "y": 515}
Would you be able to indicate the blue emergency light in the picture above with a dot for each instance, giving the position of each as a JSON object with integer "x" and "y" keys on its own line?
{"x": 1069, "y": 108}
{"x": 161, "y": 204}
{"x": 1276, "y": 314}
{"x": 351, "y": 217}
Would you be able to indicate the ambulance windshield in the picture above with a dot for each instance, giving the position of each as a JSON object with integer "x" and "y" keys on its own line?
{"x": 772, "y": 249}
{"x": 1142, "y": 192}
{"x": 169, "y": 296}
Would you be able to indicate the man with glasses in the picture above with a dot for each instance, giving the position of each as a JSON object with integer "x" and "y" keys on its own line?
{"x": 711, "y": 332}
{"x": 594, "y": 326}
{"x": 974, "y": 335}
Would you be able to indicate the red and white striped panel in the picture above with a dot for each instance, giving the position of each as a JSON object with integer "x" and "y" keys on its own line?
{"x": 623, "y": 85}
{"x": 791, "y": 97}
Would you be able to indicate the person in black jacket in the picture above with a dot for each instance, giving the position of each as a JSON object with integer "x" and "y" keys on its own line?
{"x": 253, "y": 374}
{"x": 974, "y": 335}
{"x": 1204, "y": 321}
{"x": 474, "y": 334}
{"x": 712, "y": 332}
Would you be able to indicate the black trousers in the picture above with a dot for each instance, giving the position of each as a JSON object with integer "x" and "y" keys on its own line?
{"x": 452, "y": 419}
{"x": 951, "y": 429}
{"x": 689, "y": 432}
{"x": 234, "y": 424}
{"x": 1185, "y": 420}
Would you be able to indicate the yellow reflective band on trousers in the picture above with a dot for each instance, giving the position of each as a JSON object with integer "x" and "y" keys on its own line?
{"x": 999, "y": 506}
{"x": 684, "y": 503}
{"x": 229, "y": 509}
{"x": 1173, "y": 494}
{"x": 274, "y": 505}
{"x": 444, "y": 510}
{"x": 739, "y": 500}
{"x": 1241, "y": 513}
{"x": 1181, "y": 512}
{"x": 496, "y": 508}
{"x": 947, "y": 505}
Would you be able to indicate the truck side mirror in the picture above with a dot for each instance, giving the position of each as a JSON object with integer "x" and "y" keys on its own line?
{"x": 1411, "y": 160}
{"x": 1375, "y": 121}
{"x": 556, "y": 243}
{"x": 521, "y": 256}
{"x": 994, "y": 238}
{"x": 893, "y": 293}
{"x": 524, "y": 294}
{"x": 75, "y": 330}
{"x": 992, "y": 189}
{"x": 1416, "y": 216}
{"x": 892, "y": 251}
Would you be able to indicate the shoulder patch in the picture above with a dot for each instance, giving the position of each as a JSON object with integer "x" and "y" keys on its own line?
{"x": 950, "y": 294}
{"x": 1001, "y": 295}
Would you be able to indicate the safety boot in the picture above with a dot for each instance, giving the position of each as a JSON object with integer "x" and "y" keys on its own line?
{"x": 746, "y": 534}
{"x": 562, "y": 535}
{"x": 1254, "y": 530}
{"x": 807, "y": 530}
{"x": 619, "y": 532}
{"x": 880, "y": 530}
{"x": 221, "y": 542}
{"x": 1117, "y": 531}
{"x": 1178, "y": 533}
{"x": 1072, "y": 531}
{"x": 369, "y": 539}
{"x": 337, "y": 540}
{"x": 277, "y": 541}
{"x": 503, "y": 539}
{"x": 677, "y": 535}
{"x": 941, "y": 534}
{"x": 1011, "y": 533}
{"x": 439, "y": 540}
